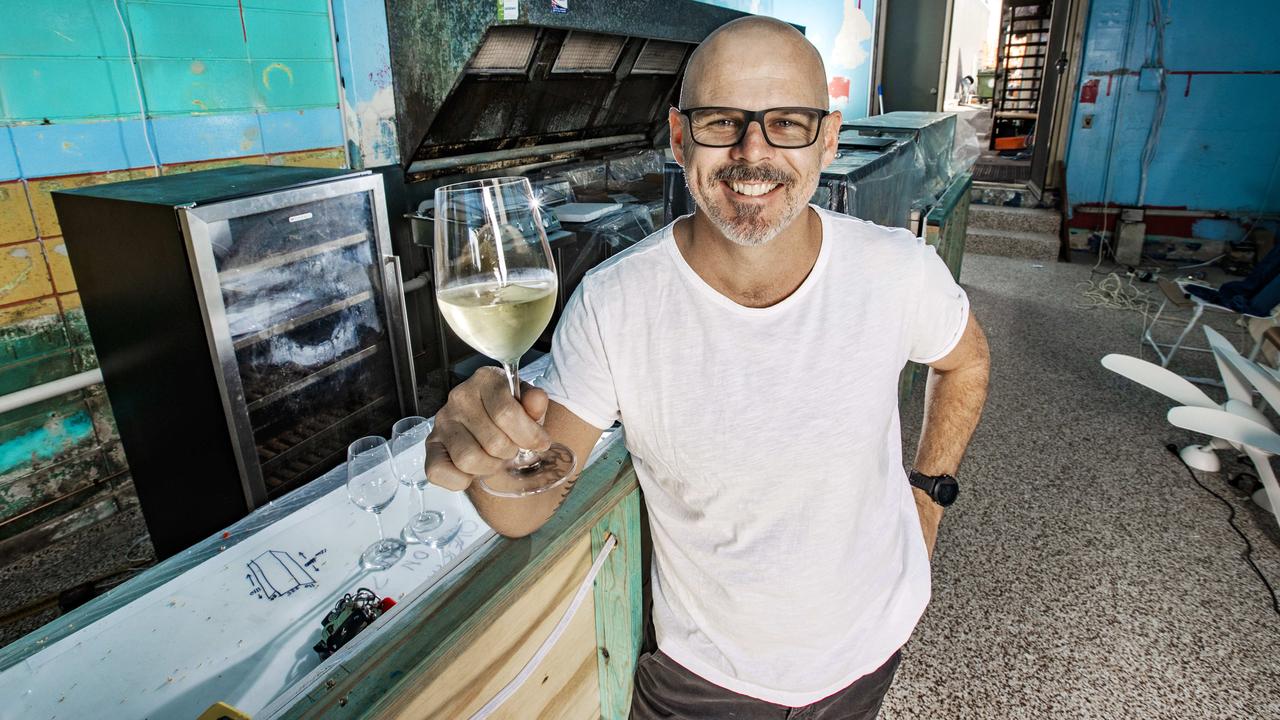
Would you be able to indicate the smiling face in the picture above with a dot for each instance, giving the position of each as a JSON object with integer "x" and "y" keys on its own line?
{"x": 752, "y": 191}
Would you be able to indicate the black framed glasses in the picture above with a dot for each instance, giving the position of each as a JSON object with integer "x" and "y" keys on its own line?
{"x": 784, "y": 127}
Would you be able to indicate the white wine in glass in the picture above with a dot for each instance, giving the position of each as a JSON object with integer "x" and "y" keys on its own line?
{"x": 501, "y": 321}
{"x": 496, "y": 287}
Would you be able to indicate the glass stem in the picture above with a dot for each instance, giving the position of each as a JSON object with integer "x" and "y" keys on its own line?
{"x": 525, "y": 458}
{"x": 513, "y": 377}
{"x": 378, "y": 517}
{"x": 422, "y": 499}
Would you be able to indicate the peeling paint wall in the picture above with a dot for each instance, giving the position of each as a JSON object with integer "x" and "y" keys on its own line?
{"x": 88, "y": 96}
{"x": 364, "y": 59}
{"x": 1218, "y": 147}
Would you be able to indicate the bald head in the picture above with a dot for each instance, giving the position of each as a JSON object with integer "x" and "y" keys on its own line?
{"x": 747, "y": 63}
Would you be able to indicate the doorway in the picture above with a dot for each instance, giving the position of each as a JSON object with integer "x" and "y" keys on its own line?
{"x": 1026, "y": 79}
{"x": 1005, "y": 66}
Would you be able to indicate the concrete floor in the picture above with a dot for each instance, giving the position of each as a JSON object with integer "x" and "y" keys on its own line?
{"x": 1082, "y": 574}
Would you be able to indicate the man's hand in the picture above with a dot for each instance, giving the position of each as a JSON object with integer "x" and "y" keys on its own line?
{"x": 481, "y": 427}
{"x": 930, "y": 517}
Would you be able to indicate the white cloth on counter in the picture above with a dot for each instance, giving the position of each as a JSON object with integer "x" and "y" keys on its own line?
{"x": 788, "y": 559}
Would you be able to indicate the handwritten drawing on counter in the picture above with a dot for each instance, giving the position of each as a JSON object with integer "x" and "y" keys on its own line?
{"x": 275, "y": 573}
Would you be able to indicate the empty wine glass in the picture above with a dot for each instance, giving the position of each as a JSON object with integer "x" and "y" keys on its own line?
{"x": 496, "y": 287}
{"x": 440, "y": 524}
{"x": 371, "y": 485}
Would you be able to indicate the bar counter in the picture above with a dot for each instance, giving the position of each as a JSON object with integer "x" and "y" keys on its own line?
{"x": 467, "y": 619}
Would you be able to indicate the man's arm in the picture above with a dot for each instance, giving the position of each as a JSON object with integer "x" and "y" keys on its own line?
{"x": 482, "y": 426}
{"x": 954, "y": 394}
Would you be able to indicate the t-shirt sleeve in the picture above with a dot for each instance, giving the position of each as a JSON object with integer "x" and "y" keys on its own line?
{"x": 942, "y": 311}
{"x": 579, "y": 377}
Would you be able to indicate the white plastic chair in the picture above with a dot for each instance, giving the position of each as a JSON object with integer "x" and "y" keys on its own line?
{"x": 1175, "y": 293}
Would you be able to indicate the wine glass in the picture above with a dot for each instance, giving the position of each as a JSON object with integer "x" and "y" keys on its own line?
{"x": 496, "y": 287}
{"x": 437, "y": 526}
{"x": 371, "y": 485}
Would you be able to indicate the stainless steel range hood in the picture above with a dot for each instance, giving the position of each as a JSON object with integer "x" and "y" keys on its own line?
{"x": 477, "y": 90}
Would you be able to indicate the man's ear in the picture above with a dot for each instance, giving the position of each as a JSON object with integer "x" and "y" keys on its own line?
{"x": 676, "y": 124}
{"x": 831, "y": 137}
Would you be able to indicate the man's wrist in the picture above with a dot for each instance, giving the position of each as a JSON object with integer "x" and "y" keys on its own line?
{"x": 926, "y": 505}
{"x": 942, "y": 488}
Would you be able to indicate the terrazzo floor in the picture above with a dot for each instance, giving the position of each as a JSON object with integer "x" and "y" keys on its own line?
{"x": 1082, "y": 574}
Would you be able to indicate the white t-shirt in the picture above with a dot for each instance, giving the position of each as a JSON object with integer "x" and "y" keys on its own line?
{"x": 787, "y": 554}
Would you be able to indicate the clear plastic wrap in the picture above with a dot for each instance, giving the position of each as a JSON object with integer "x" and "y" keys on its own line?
{"x": 622, "y": 229}
{"x": 553, "y": 190}
{"x": 933, "y": 137}
{"x": 588, "y": 179}
{"x": 637, "y": 173}
{"x": 966, "y": 148}
{"x": 880, "y": 186}
{"x": 657, "y": 213}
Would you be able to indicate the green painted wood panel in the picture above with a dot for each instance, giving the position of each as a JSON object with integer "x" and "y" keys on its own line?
{"x": 36, "y": 371}
{"x": 947, "y": 224}
{"x": 66, "y": 515}
{"x": 619, "y": 607}
{"x": 38, "y": 336}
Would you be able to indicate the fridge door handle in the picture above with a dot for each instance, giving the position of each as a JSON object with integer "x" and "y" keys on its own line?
{"x": 409, "y": 394}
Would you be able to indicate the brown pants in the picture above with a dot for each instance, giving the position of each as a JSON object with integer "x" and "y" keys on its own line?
{"x": 665, "y": 689}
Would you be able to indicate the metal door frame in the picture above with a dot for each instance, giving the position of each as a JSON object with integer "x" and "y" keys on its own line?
{"x": 1051, "y": 109}
{"x": 203, "y": 224}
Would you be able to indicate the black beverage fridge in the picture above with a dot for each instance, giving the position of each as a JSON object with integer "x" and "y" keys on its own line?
{"x": 249, "y": 322}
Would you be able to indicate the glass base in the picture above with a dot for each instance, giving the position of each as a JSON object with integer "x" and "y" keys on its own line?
{"x": 382, "y": 554}
{"x": 445, "y": 532}
{"x": 551, "y": 470}
{"x": 424, "y": 523}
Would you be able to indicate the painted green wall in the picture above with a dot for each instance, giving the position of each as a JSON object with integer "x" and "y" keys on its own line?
{"x": 69, "y": 59}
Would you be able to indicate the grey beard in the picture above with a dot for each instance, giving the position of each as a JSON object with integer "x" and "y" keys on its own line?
{"x": 745, "y": 227}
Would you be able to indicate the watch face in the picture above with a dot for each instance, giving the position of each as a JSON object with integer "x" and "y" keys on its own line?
{"x": 946, "y": 492}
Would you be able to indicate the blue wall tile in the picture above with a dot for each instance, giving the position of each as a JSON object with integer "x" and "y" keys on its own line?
{"x": 187, "y": 139}
{"x": 290, "y": 131}
{"x": 82, "y": 147}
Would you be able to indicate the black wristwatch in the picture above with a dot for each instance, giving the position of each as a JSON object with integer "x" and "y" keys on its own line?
{"x": 942, "y": 488}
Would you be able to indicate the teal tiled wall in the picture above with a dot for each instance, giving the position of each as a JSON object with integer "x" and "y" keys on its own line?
{"x": 69, "y": 59}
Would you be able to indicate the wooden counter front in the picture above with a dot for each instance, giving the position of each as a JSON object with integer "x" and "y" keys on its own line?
{"x": 447, "y": 651}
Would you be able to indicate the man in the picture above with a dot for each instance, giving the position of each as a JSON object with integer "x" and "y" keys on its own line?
{"x": 752, "y": 352}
